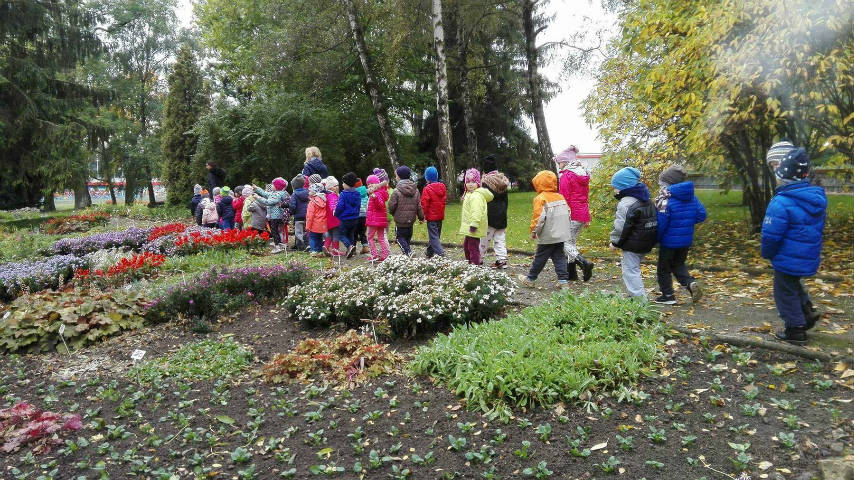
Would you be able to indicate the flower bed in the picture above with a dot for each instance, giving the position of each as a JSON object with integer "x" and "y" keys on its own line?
{"x": 33, "y": 322}
{"x": 33, "y": 276}
{"x": 222, "y": 239}
{"x": 75, "y": 223}
{"x": 132, "y": 238}
{"x": 414, "y": 295}
{"x": 351, "y": 357}
{"x": 167, "y": 229}
{"x": 219, "y": 291}
{"x": 125, "y": 270}
{"x": 165, "y": 242}
{"x": 24, "y": 424}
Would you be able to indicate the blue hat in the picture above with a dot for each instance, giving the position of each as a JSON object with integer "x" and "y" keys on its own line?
{"x": 431, "y": 174}
{"x": 625, "y": 177}
{"x": 794, "y": 166}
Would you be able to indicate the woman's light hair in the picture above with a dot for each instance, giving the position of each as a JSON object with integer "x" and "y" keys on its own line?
{"x": 311, "y": 152}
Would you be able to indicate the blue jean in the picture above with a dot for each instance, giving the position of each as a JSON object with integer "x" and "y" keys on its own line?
{"x": 347, "y": 231}
{"x": 434, "y": 233}
{"x": 315, "y": 241}
{"x": 790, "y": 297}
{"x": 404, "y": 236}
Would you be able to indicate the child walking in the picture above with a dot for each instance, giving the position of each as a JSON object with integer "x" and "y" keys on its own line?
{"x": 376, "y": 219}
{"x": 332, "y": 237}
{"x": 361, "y": 226}
{"x": 473, "y": 217}
{"x": 678, "y": 211}
{"x": 405, "y": 206}
{"x": 347, "y": 212}
{"x": 299, "y": 206}
{"x": 574, "y": 186}
{"x": 550, "y": 227}
{"x": 433, "y": 199}
{"x": 496, "y": 216}
{"x": 276, "y": 202}
{"x": 315, "y": 219}
{"x": 791, "y": 239}
{"x": 635, "y": 227}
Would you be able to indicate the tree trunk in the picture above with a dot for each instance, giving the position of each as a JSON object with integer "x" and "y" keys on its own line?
{"x": 82, "y": 199}
{"x": 49, "y": 203}
{"x": 130, "y": 188}
{"x": 445, "y": 148}
{"x": 468, "y": 113}
{"x": 371, "y": 85}
{"x": 535, "y": 92}
{"x": 418, "y": 116}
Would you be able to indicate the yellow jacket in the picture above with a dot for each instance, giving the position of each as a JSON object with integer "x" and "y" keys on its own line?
{"x": 474, "y": 212}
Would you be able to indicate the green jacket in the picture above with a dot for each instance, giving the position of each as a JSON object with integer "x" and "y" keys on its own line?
{"x": 474, "y": 212}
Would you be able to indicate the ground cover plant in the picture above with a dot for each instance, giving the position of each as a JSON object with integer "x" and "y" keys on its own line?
{"x": 17, "y": 278}
{"x": 555, "y": 352}
{"x": 24, "y": 425}
{"x": 195, "y": 361}
{"x": 75, "y": 223}
{"x": 412, "y": 295}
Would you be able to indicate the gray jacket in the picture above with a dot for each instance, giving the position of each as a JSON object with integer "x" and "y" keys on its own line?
{"x": 259, "y": 215}
{"x": 553, "y": 223}
{"x": 620, "y": 218}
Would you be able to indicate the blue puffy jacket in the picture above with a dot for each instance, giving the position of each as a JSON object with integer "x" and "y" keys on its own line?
{"x": 792, "y": 229}
{"x": 676, "y": 223}
{"x": 348, "y": 205}
{"x": 299, "y": 204}
{"x": 315, "y": 165}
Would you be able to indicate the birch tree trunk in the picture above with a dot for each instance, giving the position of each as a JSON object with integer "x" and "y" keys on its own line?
{"x": 534, "y": 90}
{"x": 380, "y": 108}
{"x": 468, "y": 113}
{"x": 445, "y": 149}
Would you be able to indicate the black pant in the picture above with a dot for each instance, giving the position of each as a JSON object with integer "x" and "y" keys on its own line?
{"x": 671, "y": 262}
{"x": 404, "y": 237}
{"x": 791, "y": 299}
{"x": 275, "y": 224}
{"x": 362, "y": 231}
{"x": 544, "y": 253}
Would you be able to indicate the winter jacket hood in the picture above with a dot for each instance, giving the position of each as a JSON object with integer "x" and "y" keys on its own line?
{"x": 405, "y": 204}
{"x": 544, "y": 182}
{"x": 793, "y": 229}
{"x": 433, "y": 199}
{"x": 550, "y": 216}
{"x": 639, "y": 191}
{"x": 474, "y": 212}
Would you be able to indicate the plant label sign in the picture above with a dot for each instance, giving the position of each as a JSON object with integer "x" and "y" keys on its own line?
{"x": 137, "y": 355}
{"x": 62, "y": 329}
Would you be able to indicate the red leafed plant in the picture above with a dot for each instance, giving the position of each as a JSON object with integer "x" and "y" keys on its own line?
{"x": 25, "y": 424}
{"x": 127, "y": 269}
{"x": 75, "y": 223}
{"x": 226, "y": 239}
{"x": 167, "y": 229}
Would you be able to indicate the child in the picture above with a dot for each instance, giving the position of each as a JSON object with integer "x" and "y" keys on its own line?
{"x": 197, "y": 197}
{"x": 276, "y": 202}
{"x": 347, "y": 211}
{"x": 333, "y": 236}
{"x": 217, "y": 196}
{"x": 210, "y": 218}
{"x": 314, "y": 178}
{"x": 225, "y": 209}
{"x": 473, "y": 218}
{"x": 298, "y": 206}
{"x": 791, "y": 240}
{"x": 315, "y": 219}
{"x": 361, "y": 227}
{"x": 635, "y": 227}
{"x": 496, "y": 218}
{"x": 237, "y": 204}
{"x": 254, "y": 213}
{"x": 678, "y": 211}
{"x": 377, "y": 219}
{"x": 199, "y": 208}
{"x": 433, "y": 199}
{"x": 550, "y": 227}
{"x": 405, "y": 206}
{"x": 574, "y": 186}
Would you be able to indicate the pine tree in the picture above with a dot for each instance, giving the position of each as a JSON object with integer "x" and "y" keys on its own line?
{"x": 186, "y": 101}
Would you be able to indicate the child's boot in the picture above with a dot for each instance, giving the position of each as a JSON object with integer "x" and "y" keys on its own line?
{"x": 572, "y": 267}
{"x": 793, "y": 335}
{"x": 586, "y": 267}
{"x": 811, "y": 314}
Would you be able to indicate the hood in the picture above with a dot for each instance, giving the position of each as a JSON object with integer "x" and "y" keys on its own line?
{"x": 315, "y": 162}
{"x": 811, "y": 197}
{"x": 407, "y": 188}
{"x": 301, "y": 193}
{"x": 683, "y": 191}
{"x": 638, "y": 191}
{"x": 363, "y": 191}
{"x": 487, "y": 195}
{"x": 439, "y": 186}
{"x": 545, "y": 181}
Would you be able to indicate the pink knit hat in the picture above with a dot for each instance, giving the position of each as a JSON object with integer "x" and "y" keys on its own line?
{"x": 473, "y": 176}
{"x": 280, "y": 183}
{"x": 372, "y": 180}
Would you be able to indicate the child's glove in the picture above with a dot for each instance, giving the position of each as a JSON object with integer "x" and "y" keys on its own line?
{"x": 472, "y": 229}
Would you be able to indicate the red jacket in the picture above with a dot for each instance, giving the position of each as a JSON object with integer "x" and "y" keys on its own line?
{"x": 574, "y": 188}
{"x": 237, "y": 204}
{"x": 315, "y": 216}
{"x": 376, "y": 214}
{"x": 433, "y": 199}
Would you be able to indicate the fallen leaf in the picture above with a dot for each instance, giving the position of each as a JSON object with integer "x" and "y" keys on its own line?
{"x": 598, "y": 446}
{"x": 765, "y": 465}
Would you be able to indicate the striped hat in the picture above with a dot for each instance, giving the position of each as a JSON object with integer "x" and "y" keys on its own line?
{"x": 381, "y": 174}
{"x": 778, "y": 152}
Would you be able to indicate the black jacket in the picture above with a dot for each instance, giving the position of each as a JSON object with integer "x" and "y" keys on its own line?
{"x": 496, "y": 210}
{"x": 216, "y": 178}
{"x": 640, "y": 229}
{"x": 194, "y": 202}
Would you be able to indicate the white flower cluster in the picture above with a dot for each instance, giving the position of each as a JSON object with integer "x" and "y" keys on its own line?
{"x": 413, "y": 295}
{"x": 104, "y": 259}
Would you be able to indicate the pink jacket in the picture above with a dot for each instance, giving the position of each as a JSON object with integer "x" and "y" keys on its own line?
{"x": 331, "y": 201}
{"x": 376, "y": 214}
{"x": 574, "y": 188}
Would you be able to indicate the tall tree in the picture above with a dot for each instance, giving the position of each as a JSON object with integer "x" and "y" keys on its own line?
{"x": 445, "y": 149}
{"x": 533, "y": 25}
{"x": 184, "y": 104}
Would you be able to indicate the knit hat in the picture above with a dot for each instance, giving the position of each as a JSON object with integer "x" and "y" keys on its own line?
{"x": 794, "y": 166}
{"x": 472, "y": 176}
{"x": 197, "y": 189}
{"x": 496, "y": 181}
{"x": 358, "y": 183}
{"x": 216, "y": 191}
{"x": 673, "y": 174}
{"x": 566, "y": 156}
{"x": 625, "y": 177}
{"x": 298, "y": 181}
{"x": 349, "y": 179}
{"x": 315, "y": 188}
{"x": 372, "y": 180}
{"x": 280, "y": 183}
{"x": 403, "y": 172}
{"x": 431, "y": 174}
{"x": 381, "y": 174}
{"x": 314, "y": 178}
{"x": 330, "y": 182}
{"x": 225, "y": 191}
{"x": 778, "y": 151}
{"x": 247, "y": 190}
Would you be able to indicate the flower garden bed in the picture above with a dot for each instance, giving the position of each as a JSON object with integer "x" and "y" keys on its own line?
{"x": 132, "y": 238}
{"x": 75, "y": 223}
{"x": 17, "y": 278}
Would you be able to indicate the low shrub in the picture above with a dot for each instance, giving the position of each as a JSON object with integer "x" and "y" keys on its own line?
{"x": 555, "y": 352}
{"x": 19, "y": 245}
{"x": 221, "y": 239}
{"x": 222, "y": 290}
{"x": 125, "y": 270}
{"x": 202, "y": 360}
{"x": 23, "y": 424}
{"x": 413, "y": 295}
{"x": 133, "y": 238}
{"x": 75, "y": 223}
{"x": 16, "y": 278}
{"x": 31, "y": 323}
{"x": 351, "y": 357}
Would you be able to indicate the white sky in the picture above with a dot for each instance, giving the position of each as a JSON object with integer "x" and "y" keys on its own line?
{"x": 563, "y": 113}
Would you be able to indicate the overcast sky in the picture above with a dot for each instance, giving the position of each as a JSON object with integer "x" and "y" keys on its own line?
{"x": 563, "y": 113}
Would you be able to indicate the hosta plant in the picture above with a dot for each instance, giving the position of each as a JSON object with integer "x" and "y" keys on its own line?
{"x": 413, "y": 295}
{"x": 17, "y": 278}
{"x": 25, "y": 425}
{"x": 75, "y": 223}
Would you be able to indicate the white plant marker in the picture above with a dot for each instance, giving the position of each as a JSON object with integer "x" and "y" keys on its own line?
{"x": 61, "y": 336}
